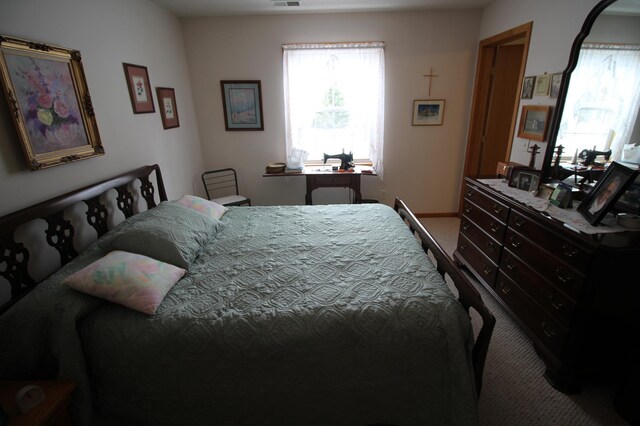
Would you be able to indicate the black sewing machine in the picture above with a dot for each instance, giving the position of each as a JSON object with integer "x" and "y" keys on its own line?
{"x": 588, "y": 156}
{"x": 346, "y": 160}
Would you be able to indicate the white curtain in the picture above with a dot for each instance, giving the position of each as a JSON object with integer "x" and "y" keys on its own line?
{"x": 334, "y": 99}
{"x": 603, "y": 99}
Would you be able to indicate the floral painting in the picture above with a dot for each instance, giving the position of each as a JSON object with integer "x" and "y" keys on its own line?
{"x": 139, "y": 88}
{"x": 46, "y": 95}
{"x": 168, "y": 108}
{"x": 49, "y": 101}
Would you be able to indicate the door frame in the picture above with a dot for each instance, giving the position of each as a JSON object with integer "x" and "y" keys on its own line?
{"x": 480, "y": 101}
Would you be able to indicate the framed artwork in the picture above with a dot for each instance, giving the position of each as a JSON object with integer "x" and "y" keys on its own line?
{"x": 629, "y": 202}
{"x": 428, "y": 112}
{"x": 534, "y": 121}
{"x": 556, "y": 79}
{"x": 49, "y": 102}
{"x": 168, "y": 107}
{"x": 561, "y": 196}
{"x": 139, "y": 88}
{"x": 541, "y": 88}
{"x": 242, "y": 104}
{"x": 527, "y": 87}
{"x": 613, "y": 184}
{"x": 524, "y": 178}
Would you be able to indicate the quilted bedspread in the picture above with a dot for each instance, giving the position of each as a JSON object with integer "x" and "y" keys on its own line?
{"x": 290, "y": 315}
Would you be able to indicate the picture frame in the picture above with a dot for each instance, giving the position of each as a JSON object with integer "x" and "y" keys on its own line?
{"x": 49, "y": 101}
{"x": 629, "y": 201}
{"x": 561, "y": 196}
{"x": 168, "y": 107}
{"x": 428, "y": 112}
{"x": 606, "y": 192}
{"x": 534, "y": 122}
{"x": 139, "y": 88}
{"x": 541, "y": 87}
{"x": 525, "y": 178}
{"x": 527, "y": 87}
{"x": 242, "y": 104}
{"x": 554, "y": 88}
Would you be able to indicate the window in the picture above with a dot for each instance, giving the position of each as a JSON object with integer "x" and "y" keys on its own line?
{"x": 334, "y": 99}
{"x": 603, "y": 100}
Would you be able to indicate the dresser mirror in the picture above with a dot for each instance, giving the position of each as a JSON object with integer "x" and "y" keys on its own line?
{"x": 599, "y": 95}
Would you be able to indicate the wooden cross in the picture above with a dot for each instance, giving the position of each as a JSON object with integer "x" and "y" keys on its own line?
{"x": 431, "y": 75}
{"x": 534, "y": 151}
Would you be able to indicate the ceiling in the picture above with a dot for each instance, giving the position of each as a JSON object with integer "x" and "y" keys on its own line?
{"x": 193, "y": 8}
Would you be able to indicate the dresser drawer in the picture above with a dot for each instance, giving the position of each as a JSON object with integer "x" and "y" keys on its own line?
{"x": 484, "y": 220}
{"x": 485, "y": 269}
{"x": 490, "y": 247}
{"x": 333, "y": 180}
{"x": 492, "y": 206}
{"x": 558, "y": 273}
{"x": 541, "y": 324}
{"x": 566, "y": 250}
{"x": 553, "y": 301}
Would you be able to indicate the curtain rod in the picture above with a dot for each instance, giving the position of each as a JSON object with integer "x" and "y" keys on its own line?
{"x": 334, "y": 45}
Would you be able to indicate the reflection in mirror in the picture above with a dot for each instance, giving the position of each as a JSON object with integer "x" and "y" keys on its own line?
{"x": 598, "y": 110}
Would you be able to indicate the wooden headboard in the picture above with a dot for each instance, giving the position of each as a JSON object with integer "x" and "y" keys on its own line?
{"x": 24, "y": 259}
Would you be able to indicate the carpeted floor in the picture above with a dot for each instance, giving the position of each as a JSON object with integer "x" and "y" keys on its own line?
{"x": 514, "y": 390}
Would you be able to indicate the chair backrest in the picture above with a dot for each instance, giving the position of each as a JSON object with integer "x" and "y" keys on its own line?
{"x": 220, "y": 183}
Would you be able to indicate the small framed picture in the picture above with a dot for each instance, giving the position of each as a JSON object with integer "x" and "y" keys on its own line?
{"x": 242, "y": 104}
{"x": 561, "y": 196}
{"x": 608, "y": 189}
{"x": 428, "y": 112}
{"x": 541, "y": 88}
{"x": 527, "y": 87}
{"x": 525, "y": 178}
{"x": 168, "y": 107}
{"x": 629, "y": 202}
{"x": 556, "y": 79}
{"x": 534, "y": 121}
{"x": 139, "y": 88}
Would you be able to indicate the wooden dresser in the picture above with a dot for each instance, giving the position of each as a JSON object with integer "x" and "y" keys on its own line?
{"x": 575, "y": 295}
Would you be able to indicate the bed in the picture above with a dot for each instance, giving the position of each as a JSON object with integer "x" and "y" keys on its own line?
{"x": 284, "y": 315}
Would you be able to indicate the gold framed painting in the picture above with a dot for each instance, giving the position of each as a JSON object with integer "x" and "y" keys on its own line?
{"x": 534, "y": 122}
{"x": 49, "y": 102}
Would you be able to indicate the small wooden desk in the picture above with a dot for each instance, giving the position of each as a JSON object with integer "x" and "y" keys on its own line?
{"x": 324, "y": 177}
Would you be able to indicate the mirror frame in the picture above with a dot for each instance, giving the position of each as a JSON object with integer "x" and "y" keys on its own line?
{"x": 547, "y": 164}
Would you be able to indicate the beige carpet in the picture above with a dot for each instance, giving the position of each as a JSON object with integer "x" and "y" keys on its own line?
{"x": 514, "y": 390}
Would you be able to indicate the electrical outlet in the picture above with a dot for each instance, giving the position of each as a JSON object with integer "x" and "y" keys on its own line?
{"x": 383, "y": 192}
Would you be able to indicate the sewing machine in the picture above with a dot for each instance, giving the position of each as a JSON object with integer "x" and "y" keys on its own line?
{"x": 346, "y": 160}
{"x": 588, "y": 156}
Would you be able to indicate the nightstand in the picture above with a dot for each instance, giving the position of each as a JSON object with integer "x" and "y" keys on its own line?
{"x": 52, "y": 411}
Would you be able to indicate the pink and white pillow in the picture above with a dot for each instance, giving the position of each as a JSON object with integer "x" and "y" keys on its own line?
{"x": 205, "y": 207}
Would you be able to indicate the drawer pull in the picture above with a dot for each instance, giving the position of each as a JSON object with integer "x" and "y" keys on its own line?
{"x": 494, "y": 226}
{"x": 569, "y": 250}
{"x": 548, "y": 329}
{"x": 469, "y": 192}
{"x": 468, "y": 208}
{"x": 505, "y": 289}
{"x": 491, "y": 246}
{"x": 487, "y": 269}
{"x": 556, "y": 305}
{"x": 562, "y": 276}
{"x": 497, "y": 209}
{"x": 519, "y": 222}
{"x": 514, "y": 243}
{"x": 463, "y": 246}
{"x": 465, "y": 226}
{"x": 511, "y": 266}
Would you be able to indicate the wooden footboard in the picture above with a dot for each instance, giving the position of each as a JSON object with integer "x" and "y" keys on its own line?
{"x": 468, "y": 295}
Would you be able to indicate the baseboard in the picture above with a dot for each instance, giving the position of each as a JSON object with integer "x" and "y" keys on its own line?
{"x": 425, "y": 215}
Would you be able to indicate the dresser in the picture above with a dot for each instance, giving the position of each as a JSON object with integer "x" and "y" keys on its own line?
{"x": 576, "y": 295}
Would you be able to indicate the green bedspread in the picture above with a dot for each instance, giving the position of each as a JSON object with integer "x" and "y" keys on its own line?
{"x": 291, "y": 315}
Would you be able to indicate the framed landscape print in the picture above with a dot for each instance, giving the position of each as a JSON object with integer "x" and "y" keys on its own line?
{"x": 534, "y": 121}
{"x": 49, "y": 102}
{"x": 139, "y": 88}
{"x": 242, "y": 104}
{"x": 428, "y": 112}
{"x": 168, "y": 107}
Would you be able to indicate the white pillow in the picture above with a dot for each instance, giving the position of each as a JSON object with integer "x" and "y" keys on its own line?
{"x": 205, "y": 207}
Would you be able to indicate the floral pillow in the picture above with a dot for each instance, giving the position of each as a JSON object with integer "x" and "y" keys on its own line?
{"x": 206, "y": 207}
{"x": 132, "y": 280}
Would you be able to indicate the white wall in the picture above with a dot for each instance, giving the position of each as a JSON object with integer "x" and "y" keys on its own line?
{"x": 555, "y": 26}
{"x": 107, "y": 33}
{"x": 422, "y": 164}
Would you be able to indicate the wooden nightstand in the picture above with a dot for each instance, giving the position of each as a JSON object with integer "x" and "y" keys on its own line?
{"x": 52, "y": 411}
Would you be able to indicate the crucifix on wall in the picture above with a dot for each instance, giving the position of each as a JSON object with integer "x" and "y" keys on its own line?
{"x": 431, "y": 75}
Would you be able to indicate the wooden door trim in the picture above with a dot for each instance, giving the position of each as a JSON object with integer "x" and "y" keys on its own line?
{"x": 479, "y": 102}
